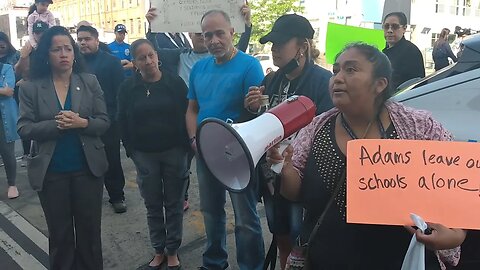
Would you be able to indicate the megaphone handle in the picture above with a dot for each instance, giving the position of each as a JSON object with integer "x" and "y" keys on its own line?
{"x": 277, "y": 168}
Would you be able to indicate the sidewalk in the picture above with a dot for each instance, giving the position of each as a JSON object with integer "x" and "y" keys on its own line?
{"x": 126, "y": 244}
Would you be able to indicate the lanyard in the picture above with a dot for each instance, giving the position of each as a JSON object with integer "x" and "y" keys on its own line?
{"x": 352, "y": 134}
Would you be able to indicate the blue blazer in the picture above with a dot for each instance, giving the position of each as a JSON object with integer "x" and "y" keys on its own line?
{"x": 8, "y": 106}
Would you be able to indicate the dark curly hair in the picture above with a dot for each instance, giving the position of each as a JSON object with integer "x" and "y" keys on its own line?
{"x": 39, "y": 64}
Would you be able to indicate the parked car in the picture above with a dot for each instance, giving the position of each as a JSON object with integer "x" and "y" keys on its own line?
{"x": 266, "y": 62}
{"x": 452, "y": 94}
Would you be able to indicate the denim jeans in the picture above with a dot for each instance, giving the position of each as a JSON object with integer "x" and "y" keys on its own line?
{"x": 162, "y": 179}
{"x": 248, "y": 231}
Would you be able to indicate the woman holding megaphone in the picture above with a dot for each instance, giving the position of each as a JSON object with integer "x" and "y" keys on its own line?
{"x": 293, "y": 51}
{"x": 315, "y": 165}
{"x": 151, "y": 113}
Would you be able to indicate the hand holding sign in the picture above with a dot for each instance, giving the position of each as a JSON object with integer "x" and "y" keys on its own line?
{"x": 388, "y": 179}
{"x": 185, "y": 16}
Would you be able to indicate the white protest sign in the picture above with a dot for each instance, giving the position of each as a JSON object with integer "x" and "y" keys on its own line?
{"x": 185, "y": 15}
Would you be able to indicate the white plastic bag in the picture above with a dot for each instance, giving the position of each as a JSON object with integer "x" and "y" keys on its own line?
{"x": 415, "y": 257}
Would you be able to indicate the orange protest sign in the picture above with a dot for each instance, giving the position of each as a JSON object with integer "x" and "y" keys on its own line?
{"x": 389, "y": 179}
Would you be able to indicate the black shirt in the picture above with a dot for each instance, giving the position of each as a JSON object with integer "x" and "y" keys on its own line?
{"x": 152, "y": 115}
{"x": 407, "y": 62}
{"x": 110, "y": 75}
{"x": 339, "y": 245}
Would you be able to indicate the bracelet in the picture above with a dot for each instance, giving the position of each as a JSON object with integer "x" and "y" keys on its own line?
{"x": 191, "y": 140}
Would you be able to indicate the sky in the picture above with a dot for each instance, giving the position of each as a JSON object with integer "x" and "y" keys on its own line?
{"x": 372, "y": 10}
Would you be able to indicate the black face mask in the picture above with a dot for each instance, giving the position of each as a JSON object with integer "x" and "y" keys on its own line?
{"x": 290, "y": 66}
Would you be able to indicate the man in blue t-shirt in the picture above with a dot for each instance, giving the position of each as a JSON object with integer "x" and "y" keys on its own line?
{"x": 121, "y": 50}
{"x": 218, "y": 85}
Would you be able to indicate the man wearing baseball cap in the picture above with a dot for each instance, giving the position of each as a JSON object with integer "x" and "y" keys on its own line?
{"x": 121, "y": 50}
{"x": 39, "y": 28}
{"x": 110, "y": 75}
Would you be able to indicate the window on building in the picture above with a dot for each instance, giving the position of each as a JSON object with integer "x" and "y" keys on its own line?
{"x": 434, "y": 38}
{"x": 459, "y": 7}
{"x": 123, "y": 3}
{"x": 139, "y": 26}
{"x": 439, "y": 6}
{"x": 131, "y": 25}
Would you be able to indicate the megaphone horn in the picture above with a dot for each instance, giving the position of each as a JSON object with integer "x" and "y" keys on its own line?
{"x": 231, "y": 151}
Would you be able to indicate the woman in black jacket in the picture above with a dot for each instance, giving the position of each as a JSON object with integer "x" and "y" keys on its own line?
{"x": 151, "y": 114}
{"x": 406, "y": 58}
{"x": 442, "y": 50}
{"x": 293, "y": 52}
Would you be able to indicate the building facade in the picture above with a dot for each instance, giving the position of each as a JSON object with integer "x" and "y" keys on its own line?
{"x": 104, "y": 15}
{"x": 13, "y": 20}
{"x": 427, "y": 18}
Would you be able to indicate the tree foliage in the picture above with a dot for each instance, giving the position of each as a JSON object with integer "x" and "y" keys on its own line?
{"x": 265, "y": 12}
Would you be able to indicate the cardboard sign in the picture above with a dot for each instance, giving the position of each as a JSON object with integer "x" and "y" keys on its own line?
{"x": 185, "y": 15}
{"x": 389, "y": 179}
{"x": 339, "y": 35}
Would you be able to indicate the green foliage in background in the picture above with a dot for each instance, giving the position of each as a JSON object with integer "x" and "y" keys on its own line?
{"x": 265, "y": 12}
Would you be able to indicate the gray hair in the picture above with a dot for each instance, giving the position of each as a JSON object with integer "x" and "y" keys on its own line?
{"x": 217, "y": 11}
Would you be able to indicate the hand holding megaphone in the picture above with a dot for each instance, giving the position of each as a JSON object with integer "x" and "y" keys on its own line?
{"x": 279, "y": 155}
{"x": 232, "y": 150}
{"x": 282, "y": 146}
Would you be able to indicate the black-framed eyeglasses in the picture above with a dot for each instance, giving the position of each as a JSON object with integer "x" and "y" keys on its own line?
{"x": 394, "y": 26}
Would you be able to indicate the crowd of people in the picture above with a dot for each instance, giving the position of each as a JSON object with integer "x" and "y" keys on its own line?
{"x": 79, "y": 101}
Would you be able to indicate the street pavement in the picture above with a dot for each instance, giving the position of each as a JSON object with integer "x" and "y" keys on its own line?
{"x": 126, "y": 245}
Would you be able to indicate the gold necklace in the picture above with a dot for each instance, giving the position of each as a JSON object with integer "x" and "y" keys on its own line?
{"x": 234, "y": 52}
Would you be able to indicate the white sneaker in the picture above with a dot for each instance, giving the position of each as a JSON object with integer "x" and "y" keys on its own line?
{"x": 12, "y": 192}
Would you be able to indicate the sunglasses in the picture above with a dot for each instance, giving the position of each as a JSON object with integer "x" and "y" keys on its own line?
{"x": 394, "y": 26}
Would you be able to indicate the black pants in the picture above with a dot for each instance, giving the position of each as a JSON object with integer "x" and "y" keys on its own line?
{"x": 190, "y": 156}
{"x": 114, "y": 178}
{"x": 72, "y": 203}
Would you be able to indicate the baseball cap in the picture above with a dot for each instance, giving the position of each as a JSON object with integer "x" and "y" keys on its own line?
{"x": 40, "y": 26}
{"x": 120, "y": 28}
{"x": 289, "y": 26}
